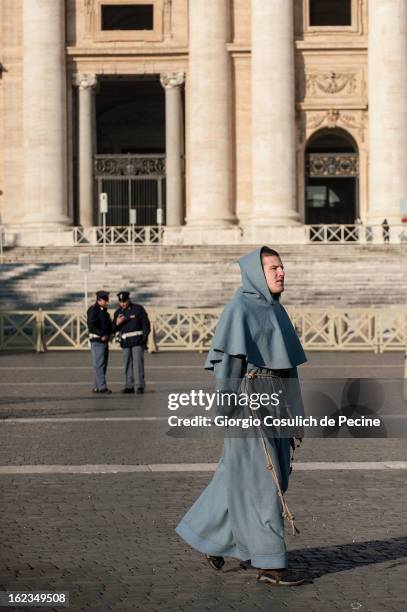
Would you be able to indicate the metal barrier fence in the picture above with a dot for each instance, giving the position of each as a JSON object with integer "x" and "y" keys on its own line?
{"x": 117, "y": 235}
{"x": 320, "y": 329}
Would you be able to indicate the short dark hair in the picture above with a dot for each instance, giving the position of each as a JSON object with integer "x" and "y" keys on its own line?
{"x": 267, "y": 251}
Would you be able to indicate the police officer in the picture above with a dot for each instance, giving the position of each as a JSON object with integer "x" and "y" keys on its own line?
{"x": 100, "y": 331}
{"x": 133, "y": 325}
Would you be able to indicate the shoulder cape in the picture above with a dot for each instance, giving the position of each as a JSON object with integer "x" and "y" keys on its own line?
{"x": 255, "y": 325}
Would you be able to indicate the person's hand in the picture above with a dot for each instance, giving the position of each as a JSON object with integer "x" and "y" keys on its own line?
{"x": 105, "y": 338}
{"x": 120, "y": 319}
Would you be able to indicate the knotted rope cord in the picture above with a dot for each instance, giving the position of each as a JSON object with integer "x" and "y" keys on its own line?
{"x": 286, "y": 513}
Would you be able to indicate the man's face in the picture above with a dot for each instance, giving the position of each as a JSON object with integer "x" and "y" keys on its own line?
{"x": 124, "y": 304}
{"x": 274, "y": 272}
{"x": 103, "y": 302}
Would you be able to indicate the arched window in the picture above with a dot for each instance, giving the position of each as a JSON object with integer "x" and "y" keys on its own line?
{"x": 330, "y": 12}
{"x": 332, "y": 173}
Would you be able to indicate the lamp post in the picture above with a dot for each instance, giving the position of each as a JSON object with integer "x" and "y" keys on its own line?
{"x": 103, "y": 207}
{"x": 159, "y": 223}
{"x": 405, "y": 374}
{"x": 1, "y": 244}
{"x": 84, "y": 266}
{"x": 133, "y": 221}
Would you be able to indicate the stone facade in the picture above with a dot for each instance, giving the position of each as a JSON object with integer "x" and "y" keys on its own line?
{"x": 248, "y": 86}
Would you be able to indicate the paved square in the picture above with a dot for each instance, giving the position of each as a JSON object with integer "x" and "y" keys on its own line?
{"x": 93, "y": 525}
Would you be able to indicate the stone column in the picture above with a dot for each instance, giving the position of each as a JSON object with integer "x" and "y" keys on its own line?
{"x": 87, "y": 84}
{"x": 44, "y": 113}
{"x": 210, "y": 112}
{"x": 387, "y": 109}
{"x": 174, "y": 140}
{"x": 273, "y": 113}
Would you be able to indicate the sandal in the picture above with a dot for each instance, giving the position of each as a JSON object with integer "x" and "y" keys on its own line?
{"x": 216, "y": 563}
{"x": 280, "y": 577}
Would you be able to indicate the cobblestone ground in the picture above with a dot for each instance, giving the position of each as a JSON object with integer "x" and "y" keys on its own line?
{"x": 108, "y": 538}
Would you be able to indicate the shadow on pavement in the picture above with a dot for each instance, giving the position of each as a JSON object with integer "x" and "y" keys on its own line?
{"x": 316, "y": 562}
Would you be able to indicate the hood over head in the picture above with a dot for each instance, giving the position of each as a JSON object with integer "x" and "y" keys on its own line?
{"x": 255, "y": 325}
{"x": 253, "y": 279}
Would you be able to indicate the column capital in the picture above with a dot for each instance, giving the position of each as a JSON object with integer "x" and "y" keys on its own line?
{"x": 85, "y": 81}
{"x": 172, "y": 79}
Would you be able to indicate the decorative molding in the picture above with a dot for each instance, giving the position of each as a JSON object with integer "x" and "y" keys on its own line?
{"x": 85, "y": 81}
{"x": 310, "y": 121}
{"x": 336, "y": 164}
{"x": 167, "y": 19}
{"x": 331, "y": 118}
{"x": 344, "y": 87}
{"x": 90, "y": 16}
{"x": 129, "y": 165}
{"x": 315, "y": 121}
{"x": 172, "y": 79}
{"x": 330, "y": 83}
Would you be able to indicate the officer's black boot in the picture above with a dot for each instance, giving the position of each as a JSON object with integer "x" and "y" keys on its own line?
{"x": 127, "y": 390}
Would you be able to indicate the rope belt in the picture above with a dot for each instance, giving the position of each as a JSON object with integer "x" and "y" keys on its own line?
{"x": 269, "y": 463}
{"x": 131, "y": 334}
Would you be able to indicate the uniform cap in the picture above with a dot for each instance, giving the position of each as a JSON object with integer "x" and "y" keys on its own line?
{"x": 123, "y": 296}
{"x": 102, "y": 295}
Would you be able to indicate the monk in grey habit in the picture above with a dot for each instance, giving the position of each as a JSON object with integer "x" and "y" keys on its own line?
{"x": 241, "y": 512}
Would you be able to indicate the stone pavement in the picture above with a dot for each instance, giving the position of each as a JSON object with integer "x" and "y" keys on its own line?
{"x": 108, "y": 538}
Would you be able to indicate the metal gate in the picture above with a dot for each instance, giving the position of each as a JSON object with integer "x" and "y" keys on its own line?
{"x": 131, "y": 181}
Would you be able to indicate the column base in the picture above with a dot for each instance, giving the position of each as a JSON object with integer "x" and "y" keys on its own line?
{"x": 272, "y": 233}
{"x": 36, "y": 221}
{"x": 202, "y": 235}
{"x": 40, "y": 235}
{"x": 261, "y": 219}
{"x": 237, "y": 234}
{"x": 222, "y": 222}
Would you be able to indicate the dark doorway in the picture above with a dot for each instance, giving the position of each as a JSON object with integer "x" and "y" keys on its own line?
{"x": 130, "y": 160}
{"x": 332, "y": 171}
{"x": 130, "y": 115}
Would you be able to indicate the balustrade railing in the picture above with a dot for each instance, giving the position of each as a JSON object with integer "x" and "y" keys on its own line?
{"x": 320, "y": 329}
{"x": 117, "y": 235}
{"x": 363, "y": 234}
{"x": 316, "y": 233}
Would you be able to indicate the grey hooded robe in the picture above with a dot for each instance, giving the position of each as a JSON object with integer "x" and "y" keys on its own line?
{"x": 239, "y": 513}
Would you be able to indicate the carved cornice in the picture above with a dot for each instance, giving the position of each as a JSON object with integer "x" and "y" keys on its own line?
{"x": 172, "y": 79}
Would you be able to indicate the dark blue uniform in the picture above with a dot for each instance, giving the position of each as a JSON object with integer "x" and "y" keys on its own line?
{"x": 134, "y": 330}
{"x": 133, "y": 334}
{"x": 99, "y": 325}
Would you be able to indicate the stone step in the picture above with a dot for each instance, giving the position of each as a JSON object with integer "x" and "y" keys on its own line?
{"x": 321, "y": 275}
{"x": 144, "y": 254}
